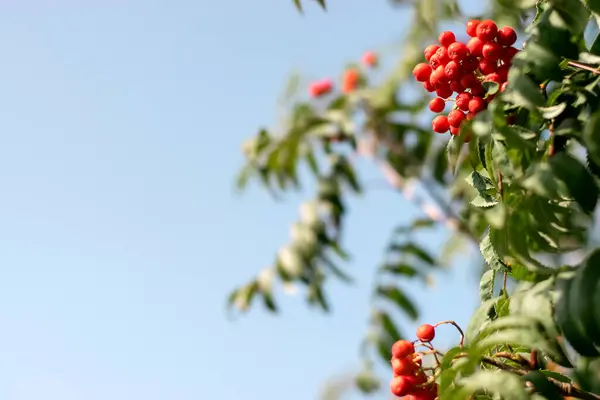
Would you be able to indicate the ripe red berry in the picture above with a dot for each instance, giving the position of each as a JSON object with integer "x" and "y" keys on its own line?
{"x": 442, "y": 55}
{"x": 422, "y": 72}
{"x": 454, "y": 131}
{"x": 487, "y": 30}
{"x": 472, "y": 27}
{"x": 369, "y": 59}
{"x": 470, "y": 116}
{"x": 475, "y": 46}
{"x": 470, "y": 64}
{"x": 455, "y": 118}
{"x": 477, "y": 104}
{"x": 440, "y": 124}
{"x": 427, "y": 85}
{"x": 457, "y": 87}
{"x": 462, "y": 101}
{"x": 503, "y": 72}
{"x": 403, "y": 366}
{"x": 430, "y": 50}
{"x": 443, "y": 90}
{"x": 506, "y": 36}
{"x": 426, "y": 332}
{"x": 320, "y": 88}
{"x": 452, "y": 70}
{"x": 402, "y": 385}
{"x": 437, "y": 105}
{"x": 458, "y": 51}
{"x": 468, "y": 80}
{"x": 487, "y": 66}
{"x": 493, "y": 77}
{"x": 491, "y": 51}
{"x": 489, "y": 98}
{"x": 446, "y": 38}
{"x": 507, "y": 55}
{"x": 402, "y": 348}
{"x": 350, "y": 80}
{"x": 477, "y": 89}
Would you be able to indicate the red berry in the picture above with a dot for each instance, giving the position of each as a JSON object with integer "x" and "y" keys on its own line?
{"x": 507, "y": 55}
{"x": 320, "y": 88}
{"x": 475, "y": 46}
{"x": 503, "y": 72}
{"x": 477, "y": 89}
{"x": 452, "y": 70}
{"x": 430, "y": 50}
{"x": 470, "y": 116}
{"x": 446, "y": 38}
{"x": 477, "y": 104}
{"x": 491, "y": 51}
{"x": 489, "y": 98}
{"x": 442, "y": 54}
{"x": 493, "y": 77}
{"x": 457, "y": 87}
{"x": 401, "y": 386}
{"x": 503, "y": 87}
{"x": 350, "y": 80}
{"x": 472, "y": 27}
{"x": 470, "y": 64}
{"x": 443, "y": 90}
{"x": 434, "y": 61}
{"x": 402, "y": 348}
{"x": 487, "y": 30}
{"x": 403, "y": 366}
{"x": 487, "y": 66}
{"x": 454, "y": 131}
{"x": 462, "y": 101}
{"x": 458, "y": 51}
{"x": 468, "y": 80}
{"x": 455, "y": 118}
{"x": 437, "y": 105}
{"x": 422, "y": 72}
{"x": 429, "y": 86}
{"x": 506, "y": 36}
{"x": 440, "y": 124}
{"x": 369, "y": 59}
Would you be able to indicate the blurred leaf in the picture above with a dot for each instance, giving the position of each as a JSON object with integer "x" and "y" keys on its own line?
{"x": 414, "y": 249}
{"x": 398, "y": 297}
{"x": 389, "y": 327}
{"x": 578, "y": 180}
{"x": 542, "y": 386}
{"x": 503, "y": 383}
{"x": 486, "y": 285}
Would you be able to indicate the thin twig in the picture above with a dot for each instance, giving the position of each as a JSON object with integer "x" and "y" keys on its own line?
{"x": 585, "y": 67}
{"x": 450, "y": 322}
{"x": 513, "y": 357}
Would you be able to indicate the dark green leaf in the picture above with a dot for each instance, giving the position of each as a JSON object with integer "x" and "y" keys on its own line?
{"x": 400, "y": 269}
{"x": 398, "y": 297}
{"x": 577, "y": 179}
{"x": 543, "y": 386}
{"x": 414, "y": 249}
{"x": 505, "y": 384}
{"x": 389, "y": 327}
{"x": 591, "y": 137}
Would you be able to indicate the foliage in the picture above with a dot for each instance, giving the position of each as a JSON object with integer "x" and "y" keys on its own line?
{"x": 524, "y": 190}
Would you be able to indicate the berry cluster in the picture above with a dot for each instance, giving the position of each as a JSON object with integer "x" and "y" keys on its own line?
{"x": 350, "y": 79}
{"x": 459, "y": 67}
{"x": 410, "y": 380}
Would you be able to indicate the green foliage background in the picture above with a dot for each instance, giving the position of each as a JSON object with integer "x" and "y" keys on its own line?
{"x": 524, "y": 193}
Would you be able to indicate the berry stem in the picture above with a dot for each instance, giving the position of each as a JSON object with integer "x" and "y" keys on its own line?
{"x": 513, "y": 357}
{"x": 584, "y": 67}
{"x": 450, "y": 322}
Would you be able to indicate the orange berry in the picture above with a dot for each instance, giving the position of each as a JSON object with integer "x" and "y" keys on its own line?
{"x": 437, "y": 105}
{"x": 403, "y": 366}
{"x": 402, "y": 348}
{"x": 350, "y": 80}
{"x": 472, "y": 27}
{"x": 487, "y": 30}
{"x": 320, "y": 88}
{"x": 426, "y": 332}
{"x": 446, "y": 38}
{"x": 369, "y": 59}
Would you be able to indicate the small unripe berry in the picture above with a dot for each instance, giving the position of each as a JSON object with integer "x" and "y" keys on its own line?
{"x": 426, "y": 332}
{"x": 458, "y": 51}
{"x": 440, "y": 124}
{"x": 446, "y": 38}
{"x": 477, "y": 104}
{"x": 437, "y": 105}
{"x": 472, "y": 27}
{"x": 402, "y": 348}
{"x": 369, "y": 59}
{"x": 403, "y": 366}
{"x": 455, "y": 118}
{"x": 475, "y": 46}
{"x": 430, "y": 50}
{"x": 452, "y": 70}
{"x": 487, "y": 30}
{"x": 320, "y": 88}
{"x": 443, "y": 90}
{"x": 491, "y": 51}
{"x": 421, "y": 72}
{"x": 462, "y": 101}
{"x": 506, "y": 36}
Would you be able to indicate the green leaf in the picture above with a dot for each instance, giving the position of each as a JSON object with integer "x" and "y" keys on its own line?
{"x": 577, "y": 179}
{"x": 481, "y": 318}
{"x": 367, "y": 382}
{"x": 583, "y": 288}
{"x": 505, "y": 384}
{"x": 479, "y": 182}
{"x": 298, "y": 5}
{"x": 591, "y": 135}
{"x": 490, "y": 256}
{"x": 543, "y": 386}
{"x": 553, "y": 111}
{"x": 484, "y": 201}
{"x": 322, "y": 4}
{"x": 389, "y": 327}
{"x": 400, "y": 269}
{"x": 398, "y": 297}
{"x": 414, "y": 249}
{"x": 556, "y": 375}
{"x": 522, "y": 91}
{"x": 486, "y": 285}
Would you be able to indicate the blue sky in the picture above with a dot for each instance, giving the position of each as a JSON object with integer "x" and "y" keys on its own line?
{"x": 120, "y": 235}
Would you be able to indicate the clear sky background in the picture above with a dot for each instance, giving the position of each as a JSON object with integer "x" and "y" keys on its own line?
{"x": 120, "y": 235}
